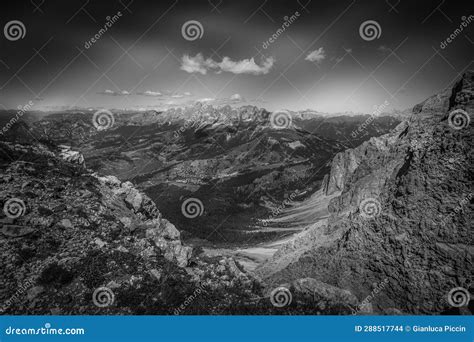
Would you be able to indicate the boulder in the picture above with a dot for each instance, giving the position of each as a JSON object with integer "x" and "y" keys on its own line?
{"x": 134, "y": 198}
{"x": 307, "y": 290}
{"x": 169, "y": 230}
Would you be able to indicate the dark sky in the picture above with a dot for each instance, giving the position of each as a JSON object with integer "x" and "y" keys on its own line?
{"x": 320, "y": 61}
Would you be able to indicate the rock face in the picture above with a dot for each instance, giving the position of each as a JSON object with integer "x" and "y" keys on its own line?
{"x": 62, "y": 228}
{"x": 309, "y": 290}
{"x": 404, "y": 212}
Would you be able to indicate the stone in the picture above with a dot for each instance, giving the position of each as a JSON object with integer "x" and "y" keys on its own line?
{"x": 169, "y": 230}
{"x": 16, "y": 230}
{"x": 110, "y": 180}
{"x": 122, "y": 249}
{"x": 322, "y": 294}
{"x": 156, "y": 273}
{"x": 100, "y": 243}
{"x": 66, "y": 223}
{"x": 134, "y": 198}
{"x": 126, "y": 221}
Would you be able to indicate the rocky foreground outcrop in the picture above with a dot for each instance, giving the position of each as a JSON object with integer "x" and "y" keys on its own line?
{"x": 74, "y": 242}
{"x": 403, "y": 217}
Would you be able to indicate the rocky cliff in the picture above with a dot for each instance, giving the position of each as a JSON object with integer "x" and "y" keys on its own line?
{"x": 403, "y": 216}
{"x": 65, "y": 229}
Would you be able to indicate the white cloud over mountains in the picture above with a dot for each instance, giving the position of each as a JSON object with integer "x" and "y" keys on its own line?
{"x": 150, "y": 93}
{"x": 198, "y": 64}
{"x": 114, "y": 93}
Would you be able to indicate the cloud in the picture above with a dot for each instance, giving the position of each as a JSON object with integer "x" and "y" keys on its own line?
{"x": 316, "y": 55}
{"x": 246, "y": 66}
{"x": 187, "y": 94}
{"x": 150, "y": 93}
{"x": 109, "y": 92}
{"x": 236, "y": 97}
{"x": 177, "y": 96}
{"x": 198, "y": 64}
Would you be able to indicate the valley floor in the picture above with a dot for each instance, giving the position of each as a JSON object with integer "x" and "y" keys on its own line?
{"x": 295, "y": 220}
